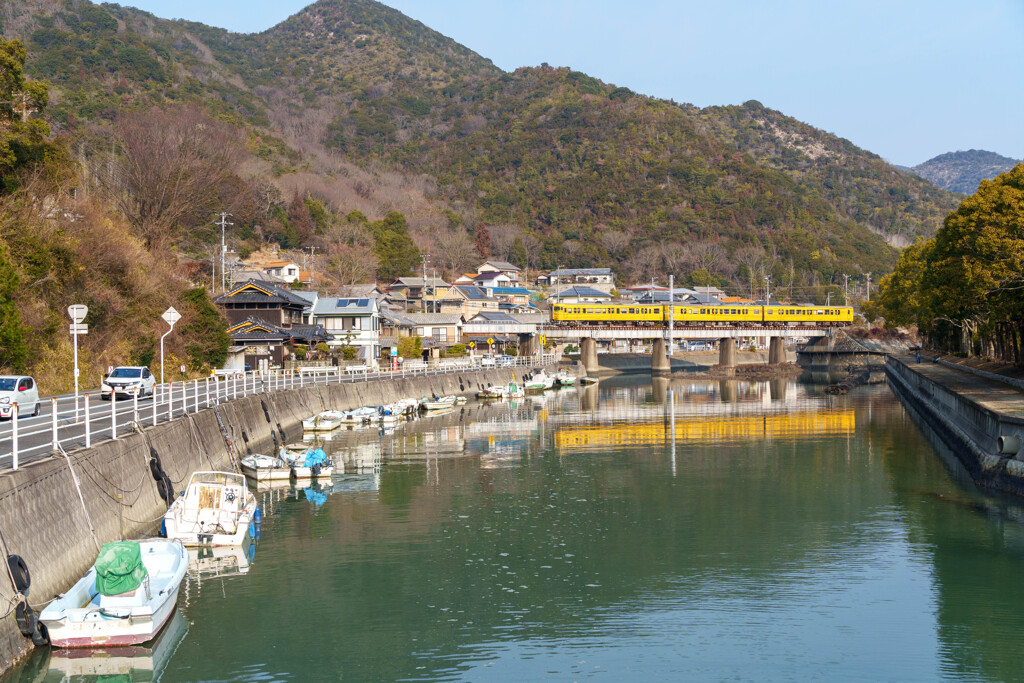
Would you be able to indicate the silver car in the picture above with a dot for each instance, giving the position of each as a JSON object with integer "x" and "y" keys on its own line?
{"x": 20, "y": 389}
{"x": 128, "y": 380}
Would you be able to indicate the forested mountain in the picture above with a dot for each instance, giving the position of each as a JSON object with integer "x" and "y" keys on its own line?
{"x": 963, "y": 171}
{"x": 350, "y": 109}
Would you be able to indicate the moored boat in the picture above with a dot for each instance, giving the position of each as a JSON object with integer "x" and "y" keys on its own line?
{"x": 325, "y": 421}
{"x": 436, "y": 403}
{"x": 309, "y": 464}
{"x": 125, "y": 598}
{"x": 539, "y": 381}
{"x": 359, "y": 415}
{"x": 564, "y": 378}
{"x": 216, "y": 510}
{"x": 588, "y": 380}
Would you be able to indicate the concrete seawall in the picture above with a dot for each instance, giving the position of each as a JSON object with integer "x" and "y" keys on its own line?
{"x": 42, "y": 517}
{"x": 969, "y": 416}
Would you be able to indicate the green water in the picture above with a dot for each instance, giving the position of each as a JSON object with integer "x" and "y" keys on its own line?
{"x": 698, "y": 531}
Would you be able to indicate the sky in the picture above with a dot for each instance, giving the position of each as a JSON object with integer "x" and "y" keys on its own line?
{"x": 905, "y": 79}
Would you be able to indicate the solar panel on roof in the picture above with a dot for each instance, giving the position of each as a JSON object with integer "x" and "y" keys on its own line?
{"x": 363, "y": 303}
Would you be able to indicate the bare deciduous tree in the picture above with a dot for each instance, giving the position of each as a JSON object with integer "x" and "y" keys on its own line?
{"x": 454, "y": 252}
{"x": 175, "y": 166}
{"x": 502, "y": 239}
{"x": 351, "y": 264}
{"x": 615, "y": 241}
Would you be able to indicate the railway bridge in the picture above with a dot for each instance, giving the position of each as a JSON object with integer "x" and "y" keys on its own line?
{"x": 588, "y": 336}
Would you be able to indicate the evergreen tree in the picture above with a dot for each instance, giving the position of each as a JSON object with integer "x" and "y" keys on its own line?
{"x": 14, "y": 349}
{"x": 483, "y": 240}
{"x": 394, "y": 247}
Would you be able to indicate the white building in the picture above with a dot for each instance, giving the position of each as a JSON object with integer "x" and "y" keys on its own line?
{"x": 352, "y": 322}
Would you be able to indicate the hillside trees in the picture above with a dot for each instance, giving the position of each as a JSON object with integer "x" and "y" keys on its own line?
{"x": 176, "y": 167}
{"x": 965, "y": 288}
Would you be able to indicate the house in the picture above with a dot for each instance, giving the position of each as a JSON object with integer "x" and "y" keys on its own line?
{"x": 498, "y": 330}
{"x": 437, "y": 330}
{"x": 286, "y": 270}
{"x": 415, "y": 288}
{"x": 465, "y": 299}
{"x": 351, "y": 322}
{"x": 580, "y": 295}
{"x": 596, "y": 278}
{"x": 240, "y": 276}
{"x": 492, "y": 279}
{"x": 512, "y": 272}
{"x": 272, "y": 303}
{"x": 465, "y": 279}
{"x": 266, "y": 345}
{"x": 394, "y": 325}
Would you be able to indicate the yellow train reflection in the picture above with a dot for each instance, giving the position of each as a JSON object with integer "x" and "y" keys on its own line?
{"x": 746, "y": 428}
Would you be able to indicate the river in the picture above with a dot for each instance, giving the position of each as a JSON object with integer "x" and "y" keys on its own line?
{"x": 684, "y": 530}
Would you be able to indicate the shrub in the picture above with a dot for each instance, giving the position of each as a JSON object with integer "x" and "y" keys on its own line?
{"x": 323, "y": 348}
{"x": 456, "y": 350}
{"x": 300, "y": 352}
{"x": 348, "y": 352}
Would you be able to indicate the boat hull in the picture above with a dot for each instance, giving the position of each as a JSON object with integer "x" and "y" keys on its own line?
{"x": 263, "y": 474}
{"x": 132, "y": 631}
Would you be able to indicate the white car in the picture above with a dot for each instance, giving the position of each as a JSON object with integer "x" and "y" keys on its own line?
{"x": 19, "y": 389}
{"x": 128, "y": 380}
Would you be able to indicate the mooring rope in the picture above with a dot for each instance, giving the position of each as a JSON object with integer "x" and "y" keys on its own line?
{"x": 78, "y": 487}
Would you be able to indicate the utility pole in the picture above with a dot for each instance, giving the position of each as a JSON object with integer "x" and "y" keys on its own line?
{"x": 767, "y": 290}
{"x": 671, "y": 312}
{"x": 312, "y": 251}
{"x": 868, "y": 297}
{"x": 223, "y": 252}
{"x": 846, "y": 289}
{"x": 423, "y": 290}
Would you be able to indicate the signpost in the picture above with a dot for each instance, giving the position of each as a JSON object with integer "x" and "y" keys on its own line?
{"x": 394, "y": 358}
{"x": 170, "y": 316}
{"x": 77, "y": 313}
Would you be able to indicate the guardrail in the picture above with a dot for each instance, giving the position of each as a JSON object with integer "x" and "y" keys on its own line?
{"x": 79, "y": 422}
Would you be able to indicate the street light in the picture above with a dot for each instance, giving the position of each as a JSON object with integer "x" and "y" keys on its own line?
{"x": 170, "y": 316}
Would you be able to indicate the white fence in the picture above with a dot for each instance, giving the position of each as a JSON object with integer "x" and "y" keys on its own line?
{"x": 65, "y": 423}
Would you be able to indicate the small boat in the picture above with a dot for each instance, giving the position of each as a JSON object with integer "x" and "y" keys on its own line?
{"x": 461, "y": 400}
{"x": 359, "y": 415}
{"x": 539, "y": 381}
{"x": 438, "y": 403}
{"x": 588, "y": 380}
{"x": 327, "y": 421}
{"x": 495, "y": 391}
{"x": 310, "y": 464}
{"x": 216, "y": 509}
{"x": 124, "y": 599}
{"x": 391, "y": 413}
{"x": 564, "y": 378}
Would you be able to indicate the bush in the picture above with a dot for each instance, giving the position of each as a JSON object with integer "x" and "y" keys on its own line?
{"x": 300, "y": 352}
{"x": 512, "y": 351}
{"x": 348, "y": 352}
{"x": 323, "y": 348}
{"x": 456, "y": 350}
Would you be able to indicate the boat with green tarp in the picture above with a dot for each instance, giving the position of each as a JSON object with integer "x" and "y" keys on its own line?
{"x": 125, "y": 598}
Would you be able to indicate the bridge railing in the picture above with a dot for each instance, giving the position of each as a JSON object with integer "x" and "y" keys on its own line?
{"x": 66, "y": 423}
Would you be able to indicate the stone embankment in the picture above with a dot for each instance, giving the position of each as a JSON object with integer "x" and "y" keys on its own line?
{"x": 56, "y": 512}
{"x": 980, "y": 418}
{"x": 843, "y": 361}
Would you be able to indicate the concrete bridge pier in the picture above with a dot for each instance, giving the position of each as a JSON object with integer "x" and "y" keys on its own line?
{"x": 660, "y": 364}
{"x": 588, "y": 355}
{"x": 527, "y": 345}
{"x": 727, "y": 353}
{"x": 776, "y": 351}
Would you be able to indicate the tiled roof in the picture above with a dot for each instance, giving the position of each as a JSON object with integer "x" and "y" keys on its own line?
{"x": 434, "y": 318}
{"x": 581, "y": 291}
{"x": 567, "y": 272}
{"x": 253, "y": 291}
{"x": 489, "y": 275}
{"x": 504, "y": 265}
{"x": 484, "y": 317}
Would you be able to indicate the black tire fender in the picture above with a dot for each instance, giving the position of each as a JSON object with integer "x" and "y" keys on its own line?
{"x": 22, "y": 577}
{"x": 156, "y": 469}
{"x": 41, "y": 636}
{"x": 165, "y": 489}
{"x": 26, "y": 618}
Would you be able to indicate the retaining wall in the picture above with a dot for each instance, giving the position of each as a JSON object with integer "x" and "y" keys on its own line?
{"x": 969, "y": 429}
{"x": 42, "y": 517}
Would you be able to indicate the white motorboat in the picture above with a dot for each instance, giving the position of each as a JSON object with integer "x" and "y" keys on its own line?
{"x": 539, "y": 381}
{"x": 564, "y": 378}
{"x": 510, "y": 390}
{"x": 216, "y": 510}
{"x": 326, "y": 421}
{"x": 359, "y": 415}
{"x": 390, "y": 413}
{"x": 438, "y": 403}
{"x": 124, "y": 599}
{"x": 461, "y": 400}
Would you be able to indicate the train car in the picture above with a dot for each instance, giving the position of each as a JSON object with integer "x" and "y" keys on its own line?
{"x": 621, "y": 313}
{"x": 718, "y": 314}
{"x": 792, "y": 315}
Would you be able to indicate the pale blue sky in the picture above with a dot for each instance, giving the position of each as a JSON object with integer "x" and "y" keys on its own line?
{"x": 906, "y": 79}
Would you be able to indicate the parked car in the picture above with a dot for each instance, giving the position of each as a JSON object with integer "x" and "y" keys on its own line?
{"x": 20, "y": 389}
{"x": 506, "y": 361}
{"x": 128, "y": 380}
{"x": 488, "y": 362}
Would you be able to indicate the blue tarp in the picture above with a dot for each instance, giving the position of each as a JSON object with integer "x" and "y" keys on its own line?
{"x": 316, "y": 497}
{"x": 315, "y": 456}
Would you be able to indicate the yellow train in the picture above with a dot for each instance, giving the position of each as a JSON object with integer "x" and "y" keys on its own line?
{"x": 719, "y": 315}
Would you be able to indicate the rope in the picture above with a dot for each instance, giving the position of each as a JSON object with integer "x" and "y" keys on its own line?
{"x": 78, "y": 487}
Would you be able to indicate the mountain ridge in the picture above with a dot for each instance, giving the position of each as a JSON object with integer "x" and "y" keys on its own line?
{"x": 581, "y": 170}
{"x": 963, "y": 171}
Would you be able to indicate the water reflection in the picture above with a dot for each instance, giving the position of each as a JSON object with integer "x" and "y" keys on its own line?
{"x": 684, "y": 529}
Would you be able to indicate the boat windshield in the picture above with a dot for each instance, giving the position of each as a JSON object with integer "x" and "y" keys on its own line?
{"x": 217, "y": 478}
